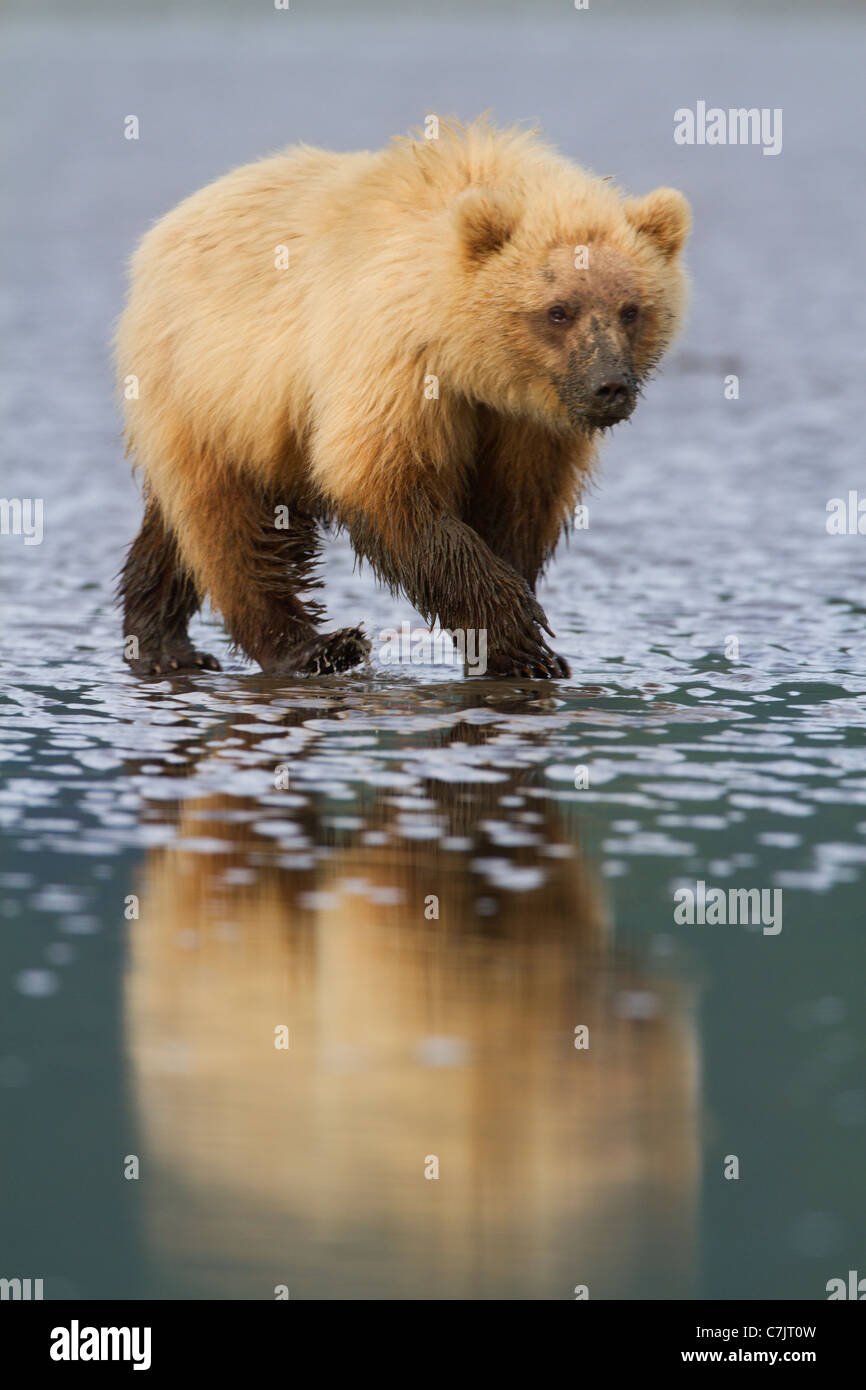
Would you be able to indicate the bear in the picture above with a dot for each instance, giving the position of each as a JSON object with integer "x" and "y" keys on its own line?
{"x": 420, "y": 346}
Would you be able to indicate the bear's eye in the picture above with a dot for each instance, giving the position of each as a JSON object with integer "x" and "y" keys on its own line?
{"x": 557, "y": 314}
{"x": 628, "y": 314}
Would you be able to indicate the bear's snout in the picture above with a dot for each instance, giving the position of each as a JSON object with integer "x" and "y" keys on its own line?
{"x": 610, "y": 394}
{"x": 598, "y": 395}
{"x": 612, "y": 398}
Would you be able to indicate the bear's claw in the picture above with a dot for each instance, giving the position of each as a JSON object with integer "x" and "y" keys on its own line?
{"x": 542, "y": 664}
{"x": 521, "y": 649}
{"x": 326, "y": 654}
{"x": 172, "y": 661}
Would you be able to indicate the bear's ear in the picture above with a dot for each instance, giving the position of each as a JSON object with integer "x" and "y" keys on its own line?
{"x": 485, "y": 219}
{"x": 664, "y": 216}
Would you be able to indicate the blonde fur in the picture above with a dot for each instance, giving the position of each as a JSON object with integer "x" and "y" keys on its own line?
{"x": 306, "y": 385}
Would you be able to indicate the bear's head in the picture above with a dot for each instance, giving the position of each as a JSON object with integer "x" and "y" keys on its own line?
{"x": 568, "y": 305}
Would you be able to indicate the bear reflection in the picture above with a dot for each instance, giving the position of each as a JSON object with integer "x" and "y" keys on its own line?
{"x": 431, "y": 967}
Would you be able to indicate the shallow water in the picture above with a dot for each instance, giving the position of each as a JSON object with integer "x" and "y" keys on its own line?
{"x": 289, "y": 844}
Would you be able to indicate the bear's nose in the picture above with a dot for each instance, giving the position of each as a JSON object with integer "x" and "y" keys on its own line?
{"x": 612, "y": 394}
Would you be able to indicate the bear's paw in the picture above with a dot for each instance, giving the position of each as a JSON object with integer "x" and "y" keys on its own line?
{"x": 325, "y": 654}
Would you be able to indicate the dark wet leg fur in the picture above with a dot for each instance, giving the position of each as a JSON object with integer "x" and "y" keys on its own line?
{"x": 448, "y": 572}
{"x": 159, "y": 598}
{"x": 253, "y": 570}
{"x": 264, "y": 614}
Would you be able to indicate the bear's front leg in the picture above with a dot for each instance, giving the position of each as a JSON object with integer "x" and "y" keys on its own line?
{"x": 447, "y": 572}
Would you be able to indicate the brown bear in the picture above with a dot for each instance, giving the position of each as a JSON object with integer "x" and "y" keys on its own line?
{"x": 420, "y": 346}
